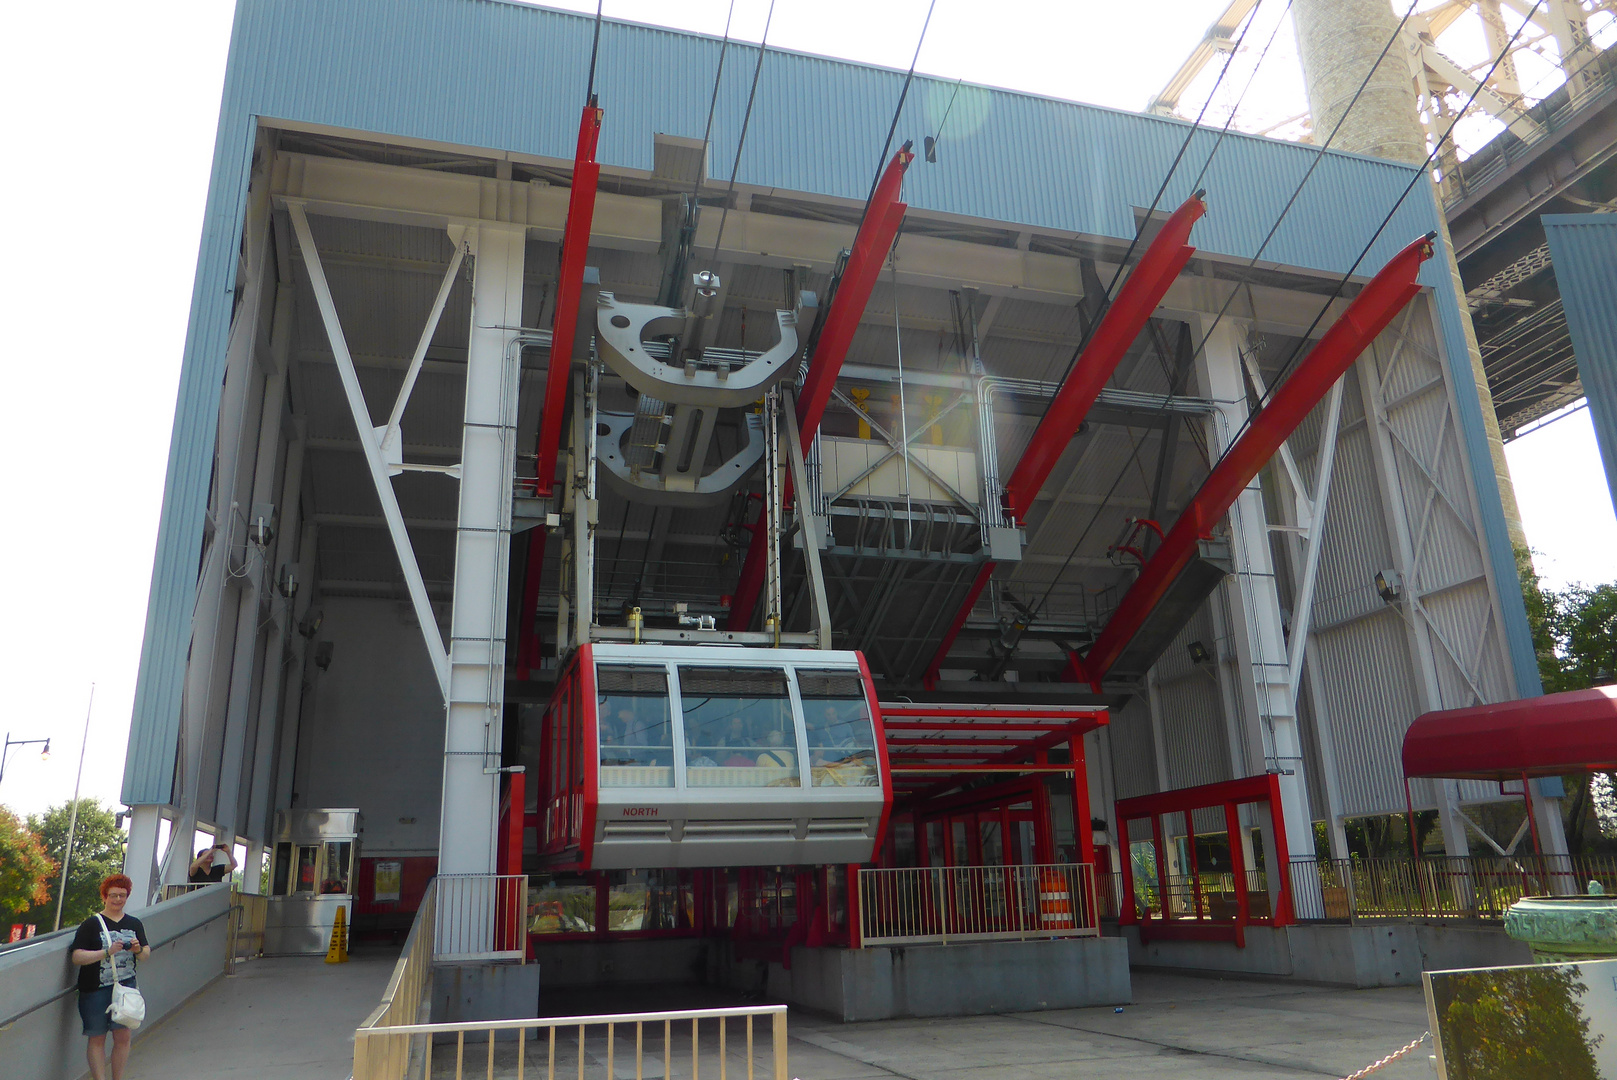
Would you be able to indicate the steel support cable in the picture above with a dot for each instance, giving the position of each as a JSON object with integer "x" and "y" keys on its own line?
{"x": 1420, "y": 173}
{"x": 713, "y": 102}
{"x": 813, "y": 339}
{"x": 903, "y": 94}
{"x": 1156, "y": 201}
{"x": 746, "y": 119}
{"x": 595, "y": 52}
{"x": 1106, "y": 300}
{"x": 1224, "y": 308}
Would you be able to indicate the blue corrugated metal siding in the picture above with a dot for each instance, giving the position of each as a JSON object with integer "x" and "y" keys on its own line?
{"x": 1490, "y": 509}
{"x": 504, "y": 76}
{"x": 1584, "y": 250}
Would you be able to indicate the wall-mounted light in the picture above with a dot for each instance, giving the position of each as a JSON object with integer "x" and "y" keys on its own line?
{"x": 1199, "y": 653}
{"x": 322, "y": 655}
{"x": 1387, "y": 585}
{"x": 310, "y": 626}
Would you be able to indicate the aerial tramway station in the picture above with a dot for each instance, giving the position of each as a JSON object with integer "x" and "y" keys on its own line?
{"x": 743, "y": 545}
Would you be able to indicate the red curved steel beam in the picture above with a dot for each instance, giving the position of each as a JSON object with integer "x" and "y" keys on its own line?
{"x": 877, "y": 231}
{"x": 1369, "y": 314}
{"x": 575, "y": 245}
{"x": 1124, "y": 319}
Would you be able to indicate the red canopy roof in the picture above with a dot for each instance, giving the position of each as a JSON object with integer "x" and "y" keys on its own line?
{"x": 1543, "y": 736}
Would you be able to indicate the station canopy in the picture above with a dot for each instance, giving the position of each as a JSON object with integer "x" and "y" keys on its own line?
{"x": 1551, "y": 735}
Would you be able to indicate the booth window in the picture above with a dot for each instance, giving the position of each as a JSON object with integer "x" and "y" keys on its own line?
{"x": 738, "y": 728}
{"x": 841, "y": 737}
{"x": 636, "y": 735}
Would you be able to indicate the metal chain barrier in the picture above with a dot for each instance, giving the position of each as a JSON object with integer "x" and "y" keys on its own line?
{"x": 1389, "y": 1059}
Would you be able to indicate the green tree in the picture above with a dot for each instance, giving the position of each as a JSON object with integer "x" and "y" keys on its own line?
{"x": 98, "y": 850}
{"x": 1575, "y": 638}
{"x": 1521, "y": 1023}
{"x": 1574, "y": 629}
{"x": 25, "y": 868}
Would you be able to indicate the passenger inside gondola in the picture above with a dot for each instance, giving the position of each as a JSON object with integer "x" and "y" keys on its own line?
{"x": 634, "y": 727}
{"x": 841, "y": 738}
{"x": 734, "y": 720}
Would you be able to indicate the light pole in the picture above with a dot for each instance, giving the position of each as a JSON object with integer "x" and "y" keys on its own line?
{"x": 44, "y": 755}
{"x": 73, "y": 816}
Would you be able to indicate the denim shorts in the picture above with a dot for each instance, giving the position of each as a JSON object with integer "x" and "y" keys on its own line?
{"x": 93, "y": 1008}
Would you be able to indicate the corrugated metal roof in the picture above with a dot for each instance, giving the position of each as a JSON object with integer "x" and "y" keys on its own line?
{"x": 1584, "y": 248}
{"x": 509, "y": 77}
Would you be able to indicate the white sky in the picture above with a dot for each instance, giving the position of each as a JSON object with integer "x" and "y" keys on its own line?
{"x": 109, "y": 116}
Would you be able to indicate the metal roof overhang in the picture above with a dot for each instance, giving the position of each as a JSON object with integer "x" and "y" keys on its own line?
{"x": 1551, "y": 735}
{"x": 934, "y": 748}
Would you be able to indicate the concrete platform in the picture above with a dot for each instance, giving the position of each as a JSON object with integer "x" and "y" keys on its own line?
{"x": 282, "y": 1018}
{"x": 1179, "y": 1028}
{"x": 1361, "y": 956}
{"x": 292, "y": 1019}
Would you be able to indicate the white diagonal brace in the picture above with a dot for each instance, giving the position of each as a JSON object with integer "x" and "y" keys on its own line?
{"x": 390, "y": 430}
{"x": 1304, "y": 609}
{"x": 806, "y": 520}
{"x": 373, "y": 452}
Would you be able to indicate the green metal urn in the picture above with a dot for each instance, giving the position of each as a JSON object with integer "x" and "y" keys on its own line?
{"x": 1562, "y": 929}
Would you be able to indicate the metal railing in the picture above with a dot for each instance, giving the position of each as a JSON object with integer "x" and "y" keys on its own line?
{"x": 248, "y": 912}
{"x": 481, "y": 917}
{"x": 600, "y": 1046}
{"x": 381, "y": 1052}
{"x": 1474, "y": 888}
{"x": 910, "y": 905}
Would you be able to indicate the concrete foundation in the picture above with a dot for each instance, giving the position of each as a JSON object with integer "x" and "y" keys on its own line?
{"x": 589, "y": 963}
{"x": 1358, "y": 956}
{"x": 976, "y": 979}
{"x": 462, "y": 992}
{"x": 880, "y": 983}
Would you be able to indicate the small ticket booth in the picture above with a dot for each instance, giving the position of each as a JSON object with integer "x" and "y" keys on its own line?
{"x": 312, "y": 876}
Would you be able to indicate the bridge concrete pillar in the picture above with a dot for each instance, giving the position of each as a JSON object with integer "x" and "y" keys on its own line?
{"x": 1338, "y": 41}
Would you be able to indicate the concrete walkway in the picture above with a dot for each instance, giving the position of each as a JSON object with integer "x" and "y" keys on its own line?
{"x": 1180, "y": 1028}
{"x": 294, "y": 1019}
{"x": 284, "y": 1018}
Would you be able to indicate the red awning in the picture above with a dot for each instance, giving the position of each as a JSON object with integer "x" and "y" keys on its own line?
{"x": 1543, "y": 736}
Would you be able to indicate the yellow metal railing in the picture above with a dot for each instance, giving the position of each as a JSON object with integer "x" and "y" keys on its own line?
{"x": 976, "y": 903}
{"x": 380, "y": 1049}
{"x": 585, "y": 1046}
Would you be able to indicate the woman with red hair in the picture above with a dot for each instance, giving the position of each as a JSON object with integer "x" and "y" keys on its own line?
{"x": 103, "y": 959}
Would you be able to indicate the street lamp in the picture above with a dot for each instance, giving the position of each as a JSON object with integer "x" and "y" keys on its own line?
{"x": 44, "y": 755}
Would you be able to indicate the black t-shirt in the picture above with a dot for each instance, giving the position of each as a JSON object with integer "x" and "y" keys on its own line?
{"x": 127, "y": 930}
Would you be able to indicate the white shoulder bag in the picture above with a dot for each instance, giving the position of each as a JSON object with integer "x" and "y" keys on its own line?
{"x": 128, "y": 1007}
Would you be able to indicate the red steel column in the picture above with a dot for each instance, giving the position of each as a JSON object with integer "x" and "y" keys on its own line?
{"x": 1369, "y": 314}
